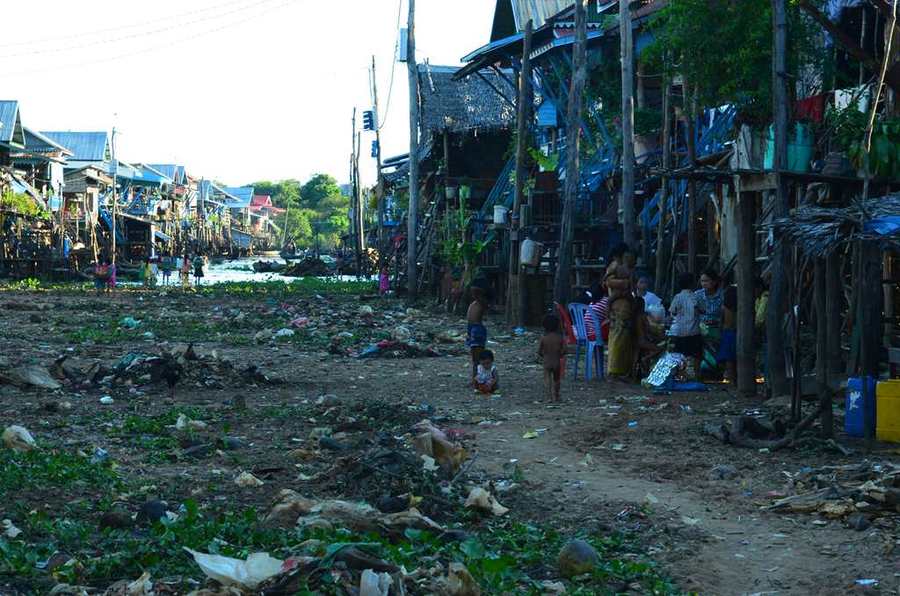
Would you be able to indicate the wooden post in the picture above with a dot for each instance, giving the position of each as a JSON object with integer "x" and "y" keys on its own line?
{"x": 778, "y": 290}
{"x": 413, "y": 213}
{"x": 523, "y": 129}
{"x": 573, "y": 144}
{"x": 834, "y": 298}
{"x": 627, "y": 56}
{"x": 746, "y": 350}
{"x": 822, "y": 387}
{"x": 379, "y": 188}
{"x": 689, "y": 109}
{"x": 662, "y": 259}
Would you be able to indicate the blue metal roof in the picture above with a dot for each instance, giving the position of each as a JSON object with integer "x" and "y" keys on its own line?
{"x": 86, "y": 146}
{"x": 492, "y": 46}
{"x": 11, "y": 123}
{"x": 150, "y": 175}
{"x": 244, "y": 194}
{"x": 35, "y": 141}
{"x": 173, "y": 171}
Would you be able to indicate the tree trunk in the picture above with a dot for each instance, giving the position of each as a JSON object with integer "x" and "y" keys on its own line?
{"x": 413, "y": 211}
{"x": 822, "y": 387}
{"x": 662, "y": 259}
{"x": 523, "y": 130}
{"x": 573, "y": 144}
{"x": 746, "y": 349}
{"x": 627, "y": 56}
{"x": 778, "y": 291}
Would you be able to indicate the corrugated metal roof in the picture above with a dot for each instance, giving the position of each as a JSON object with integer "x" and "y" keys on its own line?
{"x": 86, "y": 146}
{"x": 11, "y": 123}
{"x": 40, "y": 143}
{"x": 244, "y": 195}
{"x": 173, "y": 171}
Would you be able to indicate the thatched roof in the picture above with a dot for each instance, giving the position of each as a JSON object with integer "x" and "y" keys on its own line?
{"x": 820, "y": 231}
{"x": 465, "y": 105}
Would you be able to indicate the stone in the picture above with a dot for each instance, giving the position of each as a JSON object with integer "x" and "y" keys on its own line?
{"x": 152, "y": 511}
{"x": 577, "y": 558}
{"x": 858, "y": 522}
{"x": 722, "y": 472}
{"x": 116, "y": 520}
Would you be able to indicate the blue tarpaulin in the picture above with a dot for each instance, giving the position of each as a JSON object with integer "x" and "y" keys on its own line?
{"x": 883, "y": 226}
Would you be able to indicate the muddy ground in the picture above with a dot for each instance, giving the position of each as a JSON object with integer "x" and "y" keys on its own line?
{"x": 612, "y": 458}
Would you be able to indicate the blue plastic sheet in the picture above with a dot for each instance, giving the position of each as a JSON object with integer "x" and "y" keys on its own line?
{"x": 883, "y": 226}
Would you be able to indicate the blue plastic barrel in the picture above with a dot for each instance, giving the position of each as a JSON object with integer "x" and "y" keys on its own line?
{"x": 859, "y": 407}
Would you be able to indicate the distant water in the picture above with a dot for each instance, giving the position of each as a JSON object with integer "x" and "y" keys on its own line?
{"x": 241, "y": 270}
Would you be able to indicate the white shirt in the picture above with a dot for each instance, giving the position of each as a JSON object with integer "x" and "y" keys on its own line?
{"x": 685, "y": 322}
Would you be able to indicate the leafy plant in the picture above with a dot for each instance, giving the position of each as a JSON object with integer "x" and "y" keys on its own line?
{"x": 23, "y": 204}
{"x": 883, "y": 159}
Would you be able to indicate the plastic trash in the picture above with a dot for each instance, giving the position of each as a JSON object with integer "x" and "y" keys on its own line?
{"x": 106, "y": 400}
{"x": 130, "y": 323}
{"x": 18, "y": 439}
{"x": 519, "y": 331}
{"x": 285, "y": 332}
{"x": 9, "y": 529}
{"x": 374, "y": 584}
{"x": 248, "y": 480}
{"x": 100, "y": 456}
{"x": 484, "y": 501}
{"x": 234, "y": 572}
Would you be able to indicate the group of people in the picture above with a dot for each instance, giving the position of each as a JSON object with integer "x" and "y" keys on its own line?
{"x": 634, "y": 325}
{"x": 699, "y": 324}
{"x": 105, "y": 271}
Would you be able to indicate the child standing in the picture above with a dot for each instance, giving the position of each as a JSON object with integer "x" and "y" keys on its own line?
{"x": 476, "y": 333}
{"x": 728, "y": 345}
{"x": 199, "y": 261}
{"x": 552, "y": 353}
{"x": 185, "y": 272}
{"x": 686, "y": 321}
{"x": 486, "y": 377}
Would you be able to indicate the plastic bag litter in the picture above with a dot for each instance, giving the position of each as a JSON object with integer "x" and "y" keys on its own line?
{"x": 18, "y": 439}
{"x": 33, "y": 376}
{"x": 374, "y": 584}
{"x": 285, "y": 332}
{"x": 664, "y": 370}
{"x": 483, "y": 500}
{"x": 9, "y": 529}
{"x": 234, "y": 572}
{"x": 130, "y": 323}
{"x": 248, "y": 480}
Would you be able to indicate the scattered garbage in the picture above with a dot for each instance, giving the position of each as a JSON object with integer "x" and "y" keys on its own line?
{"x": 434, "y": 443}
{"x": 840, "y": 491}
{"x": 375, "y": 584}
{"x": 107, "y": 400}
{"x": 460, "y": 582}
{"x": 9, "y": 529}
{"x": 722, "y": 472}
{"x": 18, "y": 439}
{"x": 130, "y": 323}
{"x": 285, "y": 333}
{"x": 397, "y": 349}
{"x": 577, "y": 557}
{"x": 246, "y": 575}
{"x": 248, "y": 480}
{"x": 184, "y": 423}
{"x": 100, "y": 456}
{"x": 482, "y": 500}
{"x": 28, "y": 376}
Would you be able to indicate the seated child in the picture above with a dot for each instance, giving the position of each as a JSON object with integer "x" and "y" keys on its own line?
{"x": 552, "y": 353}
{"x": 486, "y": 378}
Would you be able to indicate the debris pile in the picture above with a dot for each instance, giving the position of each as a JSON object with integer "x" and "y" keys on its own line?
{"x": 838, "y": 492}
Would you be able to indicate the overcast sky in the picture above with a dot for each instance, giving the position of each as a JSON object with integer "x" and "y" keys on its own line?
{"x": 237, "y": 90}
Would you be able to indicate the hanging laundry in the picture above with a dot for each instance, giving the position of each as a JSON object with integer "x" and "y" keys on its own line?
{"x": 858, "y": 96}
{"x": 811, "y": 108}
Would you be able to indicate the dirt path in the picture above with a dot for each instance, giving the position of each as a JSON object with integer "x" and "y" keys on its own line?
{"x": 612, "y": 457}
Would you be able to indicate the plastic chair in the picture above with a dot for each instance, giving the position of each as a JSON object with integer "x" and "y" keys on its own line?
{"x": 576, "y": 311}
{"x": 594, "y": 349}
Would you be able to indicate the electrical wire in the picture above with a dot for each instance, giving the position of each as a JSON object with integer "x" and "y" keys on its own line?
{"x": 387, "y": 107}
{"x": 110, "y": 40}
{"x": 884, "y": 68}
{"x": 153, "y": 48}
{"x": 56, "y": 38}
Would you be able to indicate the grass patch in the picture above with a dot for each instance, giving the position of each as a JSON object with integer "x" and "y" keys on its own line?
{"x": 43, "y": 469}
{"x": 304, "y": 286}
{"x": 505, "y": 557}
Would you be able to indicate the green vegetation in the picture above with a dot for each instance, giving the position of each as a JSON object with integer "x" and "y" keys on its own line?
{"x": 23, "y": 204}
{"x": 306, "y": 286}
{"x": 503, "y": 556}
{"x": 314, "y": 207}
{"x": 41, "y": 469}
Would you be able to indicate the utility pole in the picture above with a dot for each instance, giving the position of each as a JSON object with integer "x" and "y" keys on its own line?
{"x": 573, "y": 145}
{"x": 778, "y": 290}
{"x": 514, "y": 292}
{"x": 358, "y": 232}
{"x": 379, "y": 188}
{"x": 662, "y": 255}
{"x": 691, "y": 114}
{"x": 115, "y": 205}
{"x": 412, "y": 217}
{"x": 354, "y": 188}
{"x": 627, "y": 54}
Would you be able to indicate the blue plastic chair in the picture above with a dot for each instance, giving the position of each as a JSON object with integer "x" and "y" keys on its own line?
{"x": 576, "y": 312}
{"x": 594, "y": 349}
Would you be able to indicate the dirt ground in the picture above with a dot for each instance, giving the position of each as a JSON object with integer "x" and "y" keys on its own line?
{"x": 610, "y": 457}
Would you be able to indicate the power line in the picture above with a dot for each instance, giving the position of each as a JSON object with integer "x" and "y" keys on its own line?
{"x": 149, "y": 49}
{"x": 105, "y": 41}
{"x": 56, "y": 38}
{"x": 387, "y": 105}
